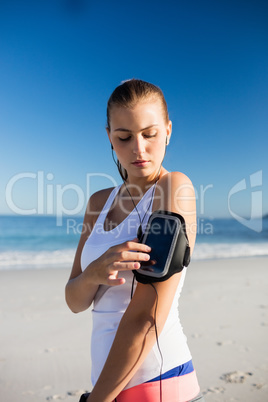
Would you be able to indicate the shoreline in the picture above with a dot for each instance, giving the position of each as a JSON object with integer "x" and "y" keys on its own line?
{"x": 224, "y": 312}
{"x": 64, "y": 266}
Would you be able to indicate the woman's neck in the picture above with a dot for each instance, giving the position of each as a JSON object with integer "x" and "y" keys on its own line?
{"x": 137, "y": 186}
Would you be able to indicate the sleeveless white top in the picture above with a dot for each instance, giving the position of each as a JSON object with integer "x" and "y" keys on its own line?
{"x": 111, "y": 302}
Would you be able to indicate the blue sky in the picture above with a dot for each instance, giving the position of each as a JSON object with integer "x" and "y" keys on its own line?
{"x": 60, "y": 60}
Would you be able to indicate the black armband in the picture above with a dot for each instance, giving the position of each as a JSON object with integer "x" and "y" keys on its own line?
{"x": 166, "y": 234}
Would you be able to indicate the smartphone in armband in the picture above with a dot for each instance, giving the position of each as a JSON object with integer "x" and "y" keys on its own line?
{"x": 165, "y": 233}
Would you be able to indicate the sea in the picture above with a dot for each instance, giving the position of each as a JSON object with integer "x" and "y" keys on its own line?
{"x": 35, "y": 242}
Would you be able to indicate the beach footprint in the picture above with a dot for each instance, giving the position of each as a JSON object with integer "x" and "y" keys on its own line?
{"x": 236, "y": 377}
{"x": 214, "y": 390}
{"x": 259, "y": 385}
{"x": 226, "y": 342}
{"x": 78, "y": 392}
{"x": 55, "y": 397}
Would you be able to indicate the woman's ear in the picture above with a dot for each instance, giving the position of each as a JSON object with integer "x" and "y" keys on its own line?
{"x": 169, "y": 131}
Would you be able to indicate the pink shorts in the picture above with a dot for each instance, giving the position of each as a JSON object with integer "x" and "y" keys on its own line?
{"x": 175, "y": 389}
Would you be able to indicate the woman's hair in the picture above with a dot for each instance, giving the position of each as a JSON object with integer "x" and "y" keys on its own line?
{"x": 130, "y": 92}
{"x": 127, "y": 95}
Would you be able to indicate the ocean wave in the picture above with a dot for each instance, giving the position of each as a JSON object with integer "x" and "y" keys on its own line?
{"x": 26, "y": 259}
{"x": 64, "y": 258}
{"x": 205, "y": 251}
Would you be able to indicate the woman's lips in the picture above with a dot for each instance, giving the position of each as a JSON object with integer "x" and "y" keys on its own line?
{"x": 140, "y": 163}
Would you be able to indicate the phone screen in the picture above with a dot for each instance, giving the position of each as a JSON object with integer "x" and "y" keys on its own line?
{"x": 159, "y": 237}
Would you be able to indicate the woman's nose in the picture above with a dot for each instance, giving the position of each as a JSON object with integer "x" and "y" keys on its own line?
{"x": 139, "y": 145}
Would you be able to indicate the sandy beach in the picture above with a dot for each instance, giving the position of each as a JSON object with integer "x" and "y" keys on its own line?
{"x": 45, "y": 355}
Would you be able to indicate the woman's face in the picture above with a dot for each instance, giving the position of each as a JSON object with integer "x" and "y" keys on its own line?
{"x": 139, "y": 136}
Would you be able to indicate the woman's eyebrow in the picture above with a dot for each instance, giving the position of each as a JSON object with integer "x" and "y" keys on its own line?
{"x": 129, "y": 131}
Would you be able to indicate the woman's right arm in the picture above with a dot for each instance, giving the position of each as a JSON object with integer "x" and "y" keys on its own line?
{"x": 82, "y": 286}
{"x": 80, "y": 290}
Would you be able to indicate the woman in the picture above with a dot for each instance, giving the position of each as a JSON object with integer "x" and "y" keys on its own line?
{"x": 139, "y": 351}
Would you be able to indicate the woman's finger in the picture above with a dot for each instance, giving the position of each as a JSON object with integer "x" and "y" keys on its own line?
{"x": 112, "y": 280}
{"x": 131, "y": 256}
{"x": 131, "y": 245}
{"x": 125, "y": 266}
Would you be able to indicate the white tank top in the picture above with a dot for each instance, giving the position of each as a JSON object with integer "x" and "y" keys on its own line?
{"x": 111, "y": 302}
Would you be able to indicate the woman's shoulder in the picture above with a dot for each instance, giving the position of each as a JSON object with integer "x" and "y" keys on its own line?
{"x": 174, "y": 192}
{"x": 174, "y": 178}
{"x": 101, "y": 195}
{"x": 98, "y": 199}
{"x": 174, "y": 184}
{"x": 95, "y": 205}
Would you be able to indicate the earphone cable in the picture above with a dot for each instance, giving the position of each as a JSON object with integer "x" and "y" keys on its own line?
{"x": 157, "y": 340}
{"x": 156, "y": 332}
